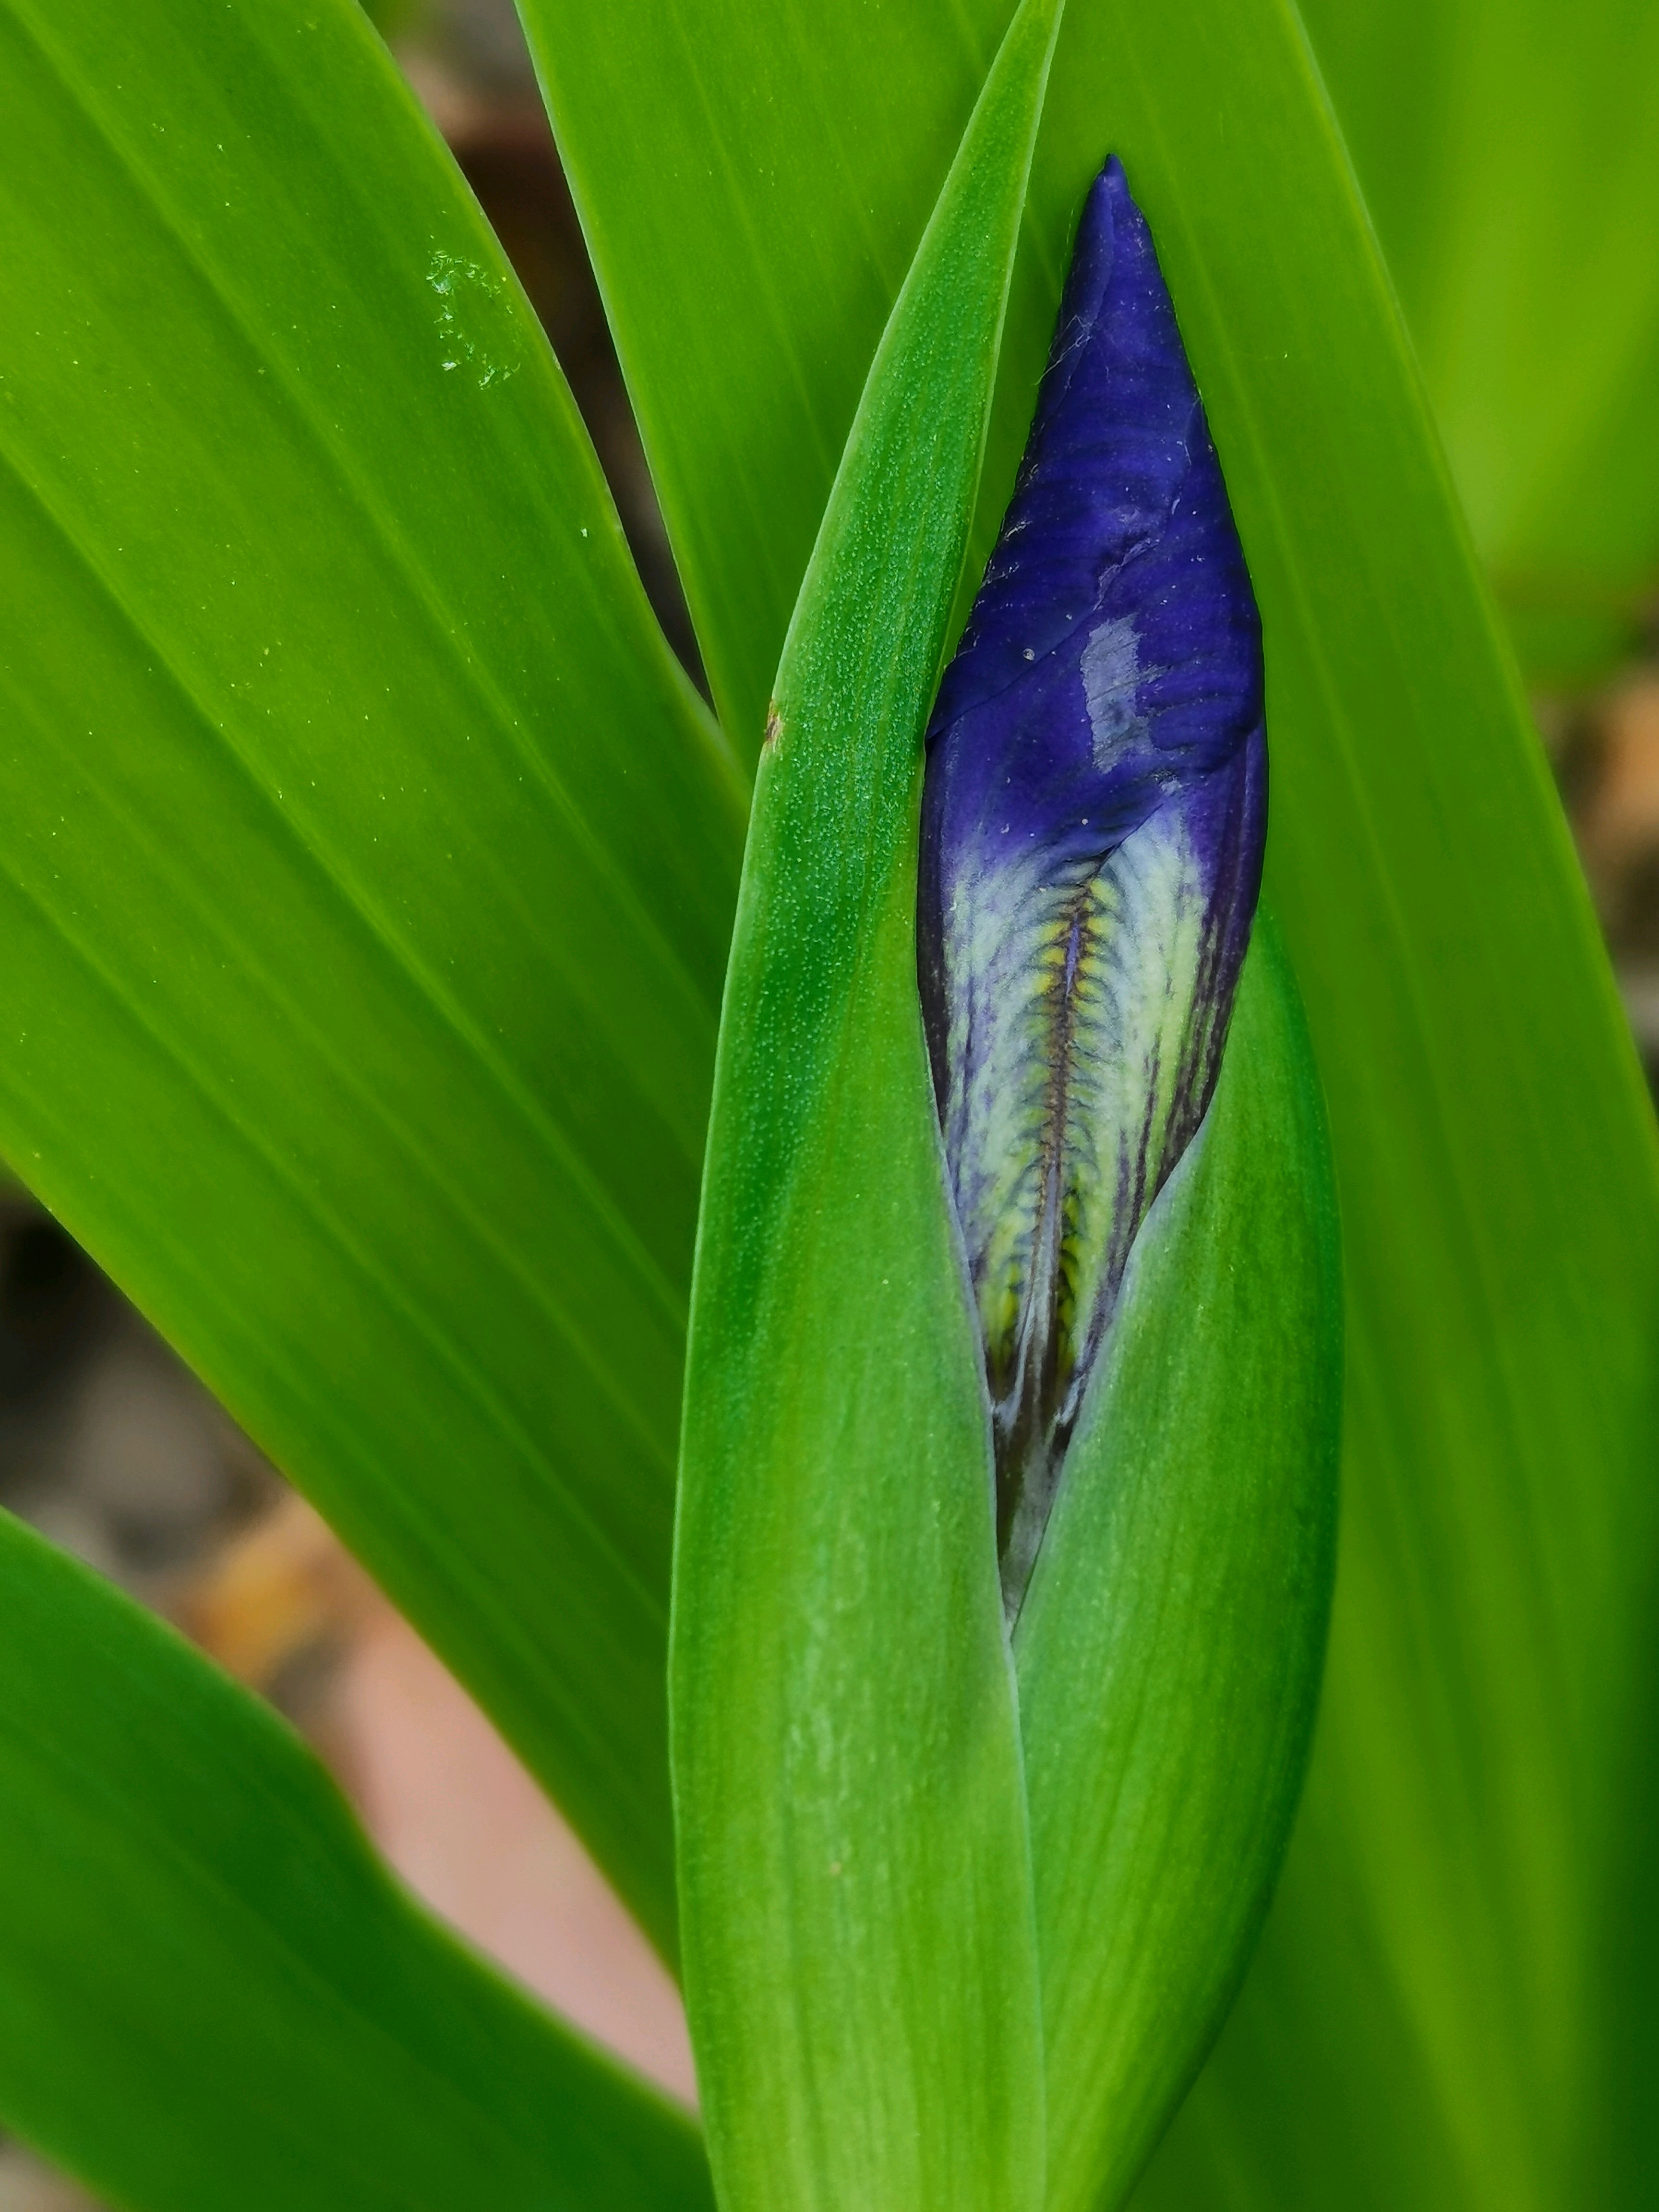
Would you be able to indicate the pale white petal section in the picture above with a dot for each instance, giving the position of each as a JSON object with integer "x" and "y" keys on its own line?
{"x": 1077, "y": 1027}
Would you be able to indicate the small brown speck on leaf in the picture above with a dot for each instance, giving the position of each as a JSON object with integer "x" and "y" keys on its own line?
{"x": 774, "y": 726}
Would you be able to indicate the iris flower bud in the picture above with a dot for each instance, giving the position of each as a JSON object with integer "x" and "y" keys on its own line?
{"x": 1093, "y": 826}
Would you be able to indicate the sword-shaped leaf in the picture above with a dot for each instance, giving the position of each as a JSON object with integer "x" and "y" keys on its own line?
{"x": 861, "y": 1965}
{"x": 365, "y": 861}
{"x": 1440, "y": 1948}
{"x": 1170, "y": 1649}
{"x": 212, "y": 1996}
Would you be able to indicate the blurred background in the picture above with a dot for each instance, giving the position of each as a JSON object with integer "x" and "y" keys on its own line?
{"x": 112, "y": 1448}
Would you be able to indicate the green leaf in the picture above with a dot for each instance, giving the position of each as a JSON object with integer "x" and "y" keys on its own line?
{"x": 1437, "y": 1962}
{"x": 1169, "y": 1651}
{"x": 752, "y": 205}
{"x": 365, "y": 861}
{"x": 860, "y": 1964}
{"x": 213, "y": 1999}
{"x": 1510, "y": 155}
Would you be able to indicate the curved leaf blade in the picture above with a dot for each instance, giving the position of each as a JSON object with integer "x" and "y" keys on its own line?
{"x": 1497, "y": 1173}
{"x": 213, "y": 1996}
{"x": 365, "y": 860}
{"x": 1170, "y": 1652}
{"x": 1441, "y": 1944}
{"x": 860, "y": 1966}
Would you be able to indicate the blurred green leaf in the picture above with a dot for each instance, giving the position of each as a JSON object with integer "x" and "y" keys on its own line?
{"x": 365, "y": 861}
{"x": 1169, "y": 1651}
{"x": 212, "y": 1999}
{"x": 861, "y": 1962}
{"x": 1438, "y": 1963}
{"x": 1509, "y": 151}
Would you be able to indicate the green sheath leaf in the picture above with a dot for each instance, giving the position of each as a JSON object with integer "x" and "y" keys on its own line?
{"x": 1436, "y": 1958}
{"x": 1438, "y": 1962}
{"x": 365, "y": 861}
{"x": 1169, "y": 1653}
{"x": 212, "y": 1998}
{"x": 859, "y": 1955}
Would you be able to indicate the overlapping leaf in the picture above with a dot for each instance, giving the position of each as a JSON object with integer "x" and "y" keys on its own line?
{"x": 1419, "y": 2024}
{"x": 852, "y": 1798}
{"x": 1170, "y": 1651}
{"x": 365, "y": 861}
{"x": 211, "y": 1997}
{"x": 280, "y": 648}
{"x": 861, "y": 1959}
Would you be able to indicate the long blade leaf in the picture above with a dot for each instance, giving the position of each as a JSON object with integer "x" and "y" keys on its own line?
{"x": 1497, "y": 1172}
{"x": 861, "y": 1962}
{"x": 365, "y": 861}
{"x": 1170, "y": 1650}
{"x": 213, "y": 1999}
{"x": 1438, "y": 1954}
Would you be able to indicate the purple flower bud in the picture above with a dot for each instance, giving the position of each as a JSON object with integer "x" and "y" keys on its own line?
{"x": 1093, "y": 827}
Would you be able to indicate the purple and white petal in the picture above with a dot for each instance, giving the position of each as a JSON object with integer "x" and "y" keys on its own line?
{"x": 1092, "y": 827}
